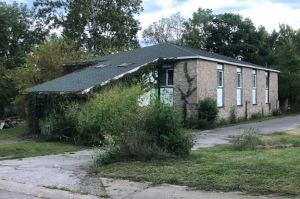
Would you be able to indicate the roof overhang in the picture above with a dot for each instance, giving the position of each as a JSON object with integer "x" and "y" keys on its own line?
{"x": 120, "y": 76}
{"x": 87, "y": 90}
{"x": 227, "y": 62}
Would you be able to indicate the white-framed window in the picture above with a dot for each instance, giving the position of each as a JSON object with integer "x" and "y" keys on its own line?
{"x": 166, "y": 85}
{"x": 267, "y": 93}
{"x": 220, "y": 85}
{"x": 254, "y": 87}
{"x": 239, "y": 87}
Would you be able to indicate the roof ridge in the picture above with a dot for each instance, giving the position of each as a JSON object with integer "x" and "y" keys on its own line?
{"x": 183, "y": 49}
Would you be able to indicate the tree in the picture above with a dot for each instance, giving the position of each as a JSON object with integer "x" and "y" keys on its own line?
{"x": 227, "y": 34}
{"x": 42, "y": 64}
{"x": 231, "y": 35}
{"x": 286, "y": 58}
{"x": 101, "y": 26}
{"x": 45, "y": 62}
{"x": 165, "y": 30}
{"x": 7, "y": 92}
{"x": 195, "y": 34}
{"x": 18, "y": 34}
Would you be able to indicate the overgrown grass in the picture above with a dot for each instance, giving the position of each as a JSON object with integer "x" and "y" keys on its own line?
{"x": 274, "y": 171}
{"x": 13, "y": 132}
{"x": 12, "y": 146}
{"x": 291, "y": 137}
{"x": 33, "y": 148}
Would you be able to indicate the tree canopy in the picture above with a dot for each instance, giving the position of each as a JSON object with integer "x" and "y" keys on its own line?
{"x": 165, "y": 30}
{"x": 18, "y": 33}
{"x": 29, "y": 55}
{"x": 100, "y": 26}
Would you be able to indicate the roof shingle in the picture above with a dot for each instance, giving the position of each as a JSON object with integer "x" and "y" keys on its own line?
{"x": 110, "y": 68}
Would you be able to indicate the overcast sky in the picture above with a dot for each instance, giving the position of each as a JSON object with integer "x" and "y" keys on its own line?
{"x": 268, "y": 13}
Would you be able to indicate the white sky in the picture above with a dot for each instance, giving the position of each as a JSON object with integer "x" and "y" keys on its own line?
{"x": 262, "y": 12}
{"x": 269, "y": 13}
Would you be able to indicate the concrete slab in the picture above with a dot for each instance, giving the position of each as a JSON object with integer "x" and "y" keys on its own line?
{"x": 181, "y": 192}
{"x": 66, "y": 175}
{"x": 219, "y": 136}
{"x": 31, "y": 191}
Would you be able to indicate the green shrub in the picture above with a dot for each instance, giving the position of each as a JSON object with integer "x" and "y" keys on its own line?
{"x": 233, "y": 117}
{"x": 114, "y": 120}
{"x": 256, "y": 116}
{"x": 109, "y": 154}
{"x": 207, "y": 113}
{"x": 142, "y": 146}
{"x": 276, "y": 112}
{"x": 192, "y": 121}
{"x": 105, "y": 114}
{"x": 163, "y": 123}
{"x": 89, "y": 124}
{"x": 248, "y": 140}
{"x": 62, "y": 125}
{"x": 154, "y": 132}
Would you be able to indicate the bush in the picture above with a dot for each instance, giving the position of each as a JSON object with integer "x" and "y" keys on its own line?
{"x": 62, "y": 125}
{"x": 101, "y": 116}
{"x": 154, "y": 132}
{"x": 114, "y": 120}
{"x": 256, "y": 116}
{"x": 206, "y": 116}
{"x": 106, "y": 113}
{"x": 233, "y": 117}
{"x": 163, "y": 123}
{"x": 248, "y": 140}
{"x": 142, "y": 146}
{"x": 276, "y": 112}
{"x": 109, "y": 154}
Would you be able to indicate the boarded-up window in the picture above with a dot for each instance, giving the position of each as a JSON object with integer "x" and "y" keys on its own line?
{"x": 220, "y": 85}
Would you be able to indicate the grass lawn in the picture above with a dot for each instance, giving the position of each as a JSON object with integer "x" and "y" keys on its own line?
{"x": 13, "y": 132}
{"x": 272, "y": 171}
{"x": 12, "y": 145}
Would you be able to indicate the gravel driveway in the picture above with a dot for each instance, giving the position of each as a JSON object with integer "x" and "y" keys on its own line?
{"x": 224, "y": 135}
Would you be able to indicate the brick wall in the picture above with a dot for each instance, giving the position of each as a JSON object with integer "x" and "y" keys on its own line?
{"x": 206, "y": 82}
{"x": 180, "y": 81}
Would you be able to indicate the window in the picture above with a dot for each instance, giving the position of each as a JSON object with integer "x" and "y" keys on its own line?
{"x": 267, "y": 95}
{"x": 220, "y": 78}
{"x": 166, "y": 82}
{"x": 166, "y": 77}
{"x": 239, "y": 92}
{"x": 170, "y": 77}
{"x": 220, "y": 85}
{"x": 254, "y": 85}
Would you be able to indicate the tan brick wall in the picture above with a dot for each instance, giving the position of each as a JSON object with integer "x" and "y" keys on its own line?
{"x": 206, "y": 82}
{"x": 180, "y": 81}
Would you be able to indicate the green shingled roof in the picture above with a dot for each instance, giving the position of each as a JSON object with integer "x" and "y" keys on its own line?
{"x": 109, "y": 68}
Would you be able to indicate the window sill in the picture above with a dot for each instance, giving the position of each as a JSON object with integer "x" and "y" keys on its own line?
{"x": 254, "y": 104}
{"x": 167, "y": 86}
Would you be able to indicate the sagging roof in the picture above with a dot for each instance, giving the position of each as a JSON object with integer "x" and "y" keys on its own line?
{"x": 114, "y": 66}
